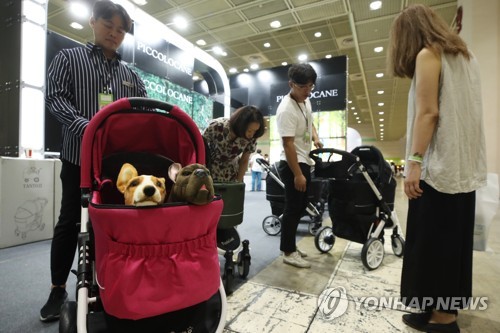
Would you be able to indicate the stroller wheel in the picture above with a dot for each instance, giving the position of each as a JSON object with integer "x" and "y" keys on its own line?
{"x": 398, "y": 245}
{"x": 243, "y": 265}
{"x": 271, "y": 225}
{"x": 324, "y": 239}
{"x": 228, "y": 280}
{"x": 67, "y": 319}
{"x": 372, "y": 253}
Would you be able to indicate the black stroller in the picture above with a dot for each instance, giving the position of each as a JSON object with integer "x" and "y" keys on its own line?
{"x": 360, "y": 202}
{"x": 275, "y": 194}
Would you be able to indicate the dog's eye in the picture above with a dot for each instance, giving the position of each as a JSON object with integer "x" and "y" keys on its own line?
{"x": 134, "y": 183}
{"x": 159, "y": 184}
{"x": 186, "y": 173}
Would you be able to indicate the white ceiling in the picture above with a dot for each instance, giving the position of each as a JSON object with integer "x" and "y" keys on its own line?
{"x": 241, "y": 28}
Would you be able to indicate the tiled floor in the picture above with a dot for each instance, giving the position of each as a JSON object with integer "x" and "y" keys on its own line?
{"x": 285, "y": 299}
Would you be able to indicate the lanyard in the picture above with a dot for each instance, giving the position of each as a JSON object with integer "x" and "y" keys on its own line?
{"x": 303, "y": 113}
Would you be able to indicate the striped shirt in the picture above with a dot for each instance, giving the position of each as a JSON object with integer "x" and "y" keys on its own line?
{"x": 76, "y": 77}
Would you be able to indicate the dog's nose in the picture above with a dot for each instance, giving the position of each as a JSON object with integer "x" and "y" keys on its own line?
{"x": 149, "y": 190}
{"x": 200, "y": 173}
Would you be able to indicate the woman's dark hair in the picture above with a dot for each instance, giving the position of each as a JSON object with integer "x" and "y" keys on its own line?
{"x": 241, "y": 118}
{"x": 302, "y": 74}
{"x": 106, "y": 9}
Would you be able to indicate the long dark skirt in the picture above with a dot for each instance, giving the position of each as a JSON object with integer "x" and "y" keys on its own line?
{"x": 437, "y": 264}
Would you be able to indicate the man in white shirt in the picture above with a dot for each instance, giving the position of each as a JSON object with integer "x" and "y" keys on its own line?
{"x": 256, "y": 171}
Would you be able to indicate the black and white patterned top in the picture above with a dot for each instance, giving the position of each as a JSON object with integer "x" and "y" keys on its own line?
{"x": 75, "y": 79}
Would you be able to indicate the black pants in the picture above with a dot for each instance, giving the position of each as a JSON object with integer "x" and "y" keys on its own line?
{"x": 437, "y": 263}
{"x": 65, "y": 238}
{"x": 295, "y": 205}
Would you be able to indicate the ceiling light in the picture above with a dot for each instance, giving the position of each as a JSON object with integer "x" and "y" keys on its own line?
{"x": 317, "y": 34}
{"x": 379, "y": 75}
{"x": 357, "y": 118}
{"x": 359, "y": 121}
{"x": 233, "y": 70}
{"x": 302, "y": 57}
{"x": 254, "y": 66}
{"x": 284, "y": 63}
{"x": 353, "y": 108}
{"x": 328, "y": 56}
{"x": 79, "y": 9}
{"x": 378, "y": 49}
{"x": 267, "y": 44}
{"x": 349, "y": 102}
{"x": 381, "y": 112}
{"x": 381, "y": 119}
{"x": 76, "y": 25}
{"x": 381, "y": 130}
{"x": 374, "y": 5}
{"x": 380, "y": 104}
{"x": 275, "y": 24}
{"x": 355, "y": 113}
{"x": 180, "y": 22}
{"x": 140, "y": 2}
{"x": 380, "y": 92}
{"x": 217, "y": 50}
{"x": 245, "y": 70}
{"x": 381, "y": 125}
{"x": 201, "y": 42}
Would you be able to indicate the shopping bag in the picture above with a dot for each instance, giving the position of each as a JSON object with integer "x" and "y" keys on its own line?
{"x": 487, "y": 200}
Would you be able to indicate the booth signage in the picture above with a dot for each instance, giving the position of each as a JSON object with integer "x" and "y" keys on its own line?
{"x": 151, "y": 55}
{"x": 180, "y": 67}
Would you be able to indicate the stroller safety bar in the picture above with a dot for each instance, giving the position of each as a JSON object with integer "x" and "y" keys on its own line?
{"x": 314, "y": 154}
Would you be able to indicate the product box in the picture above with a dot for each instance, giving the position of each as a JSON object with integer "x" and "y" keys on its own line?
{"x": 26, "y": 200}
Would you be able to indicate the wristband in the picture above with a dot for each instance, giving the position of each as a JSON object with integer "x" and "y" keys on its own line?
{"x": 416, "y": 158}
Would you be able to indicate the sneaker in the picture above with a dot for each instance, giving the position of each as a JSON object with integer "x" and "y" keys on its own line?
{"x": 296, "y": 260}
{"x": 303, "y": 254}
{"x": 52, "y": 308}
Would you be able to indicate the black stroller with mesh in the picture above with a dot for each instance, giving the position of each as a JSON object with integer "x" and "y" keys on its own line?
{"x": 275, "y": 194}
{"x": 360, "y": 201}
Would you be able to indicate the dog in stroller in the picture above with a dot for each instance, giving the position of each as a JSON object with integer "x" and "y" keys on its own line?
{"x": 361, "y": 194}
{"x": 143, "y": 268}
{"x": 275, "y": 194}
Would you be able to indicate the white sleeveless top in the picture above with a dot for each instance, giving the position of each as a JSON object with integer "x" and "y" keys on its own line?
{"x": 455, "y": 161}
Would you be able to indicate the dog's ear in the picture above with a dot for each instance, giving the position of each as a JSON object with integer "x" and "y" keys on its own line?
{"x": 127, "y": 172}
{"x": 173, "y": 170}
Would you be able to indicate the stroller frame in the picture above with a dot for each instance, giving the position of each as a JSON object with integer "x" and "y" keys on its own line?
{"x": 372, "y": 253}
{"x": 74, "y": 315}
{"x": 272, "y": 223}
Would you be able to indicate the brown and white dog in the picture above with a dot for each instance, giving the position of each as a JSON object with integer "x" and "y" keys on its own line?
{"x": 140, "y": 190}
{"x": 192, "y": 184}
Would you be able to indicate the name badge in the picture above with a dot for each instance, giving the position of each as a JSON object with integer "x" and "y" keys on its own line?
{"x": 105, "y": 99}
{"x": 127, "y": 84}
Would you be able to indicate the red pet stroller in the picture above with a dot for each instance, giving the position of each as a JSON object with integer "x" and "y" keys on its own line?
{"x": 149, "y": 268}
{"x": 360, "y": 202}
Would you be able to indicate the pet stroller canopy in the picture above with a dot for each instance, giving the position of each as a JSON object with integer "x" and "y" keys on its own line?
{"x": 136, "y": 125}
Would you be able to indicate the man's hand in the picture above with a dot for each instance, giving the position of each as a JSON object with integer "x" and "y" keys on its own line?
{"x": 300, "y": 183}
{"x": 318, "y": 144}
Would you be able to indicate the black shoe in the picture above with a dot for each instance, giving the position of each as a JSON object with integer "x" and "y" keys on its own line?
{"x": 420, "y": 322}
{"x": 417, "y": 320}
{"x": 52, "y": 308}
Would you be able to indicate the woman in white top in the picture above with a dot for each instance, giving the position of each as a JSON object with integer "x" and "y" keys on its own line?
{"x": 446, "y": 163}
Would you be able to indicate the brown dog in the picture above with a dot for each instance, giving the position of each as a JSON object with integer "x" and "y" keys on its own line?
{"x": 192, "y": 183}
{"x": 143, "y": 190}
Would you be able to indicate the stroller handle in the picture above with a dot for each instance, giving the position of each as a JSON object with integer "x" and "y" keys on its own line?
{"x": 314, "y": 154}
{"x": 262, "y": 162}
{"x": 149, "y": 103}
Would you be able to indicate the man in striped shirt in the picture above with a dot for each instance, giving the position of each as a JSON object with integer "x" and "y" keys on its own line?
{"x": 80, "y": 82}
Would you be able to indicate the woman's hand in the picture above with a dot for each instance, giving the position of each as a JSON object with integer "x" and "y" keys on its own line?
{"x": 412, "y": 180}
{"x": 300, "y": 183}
